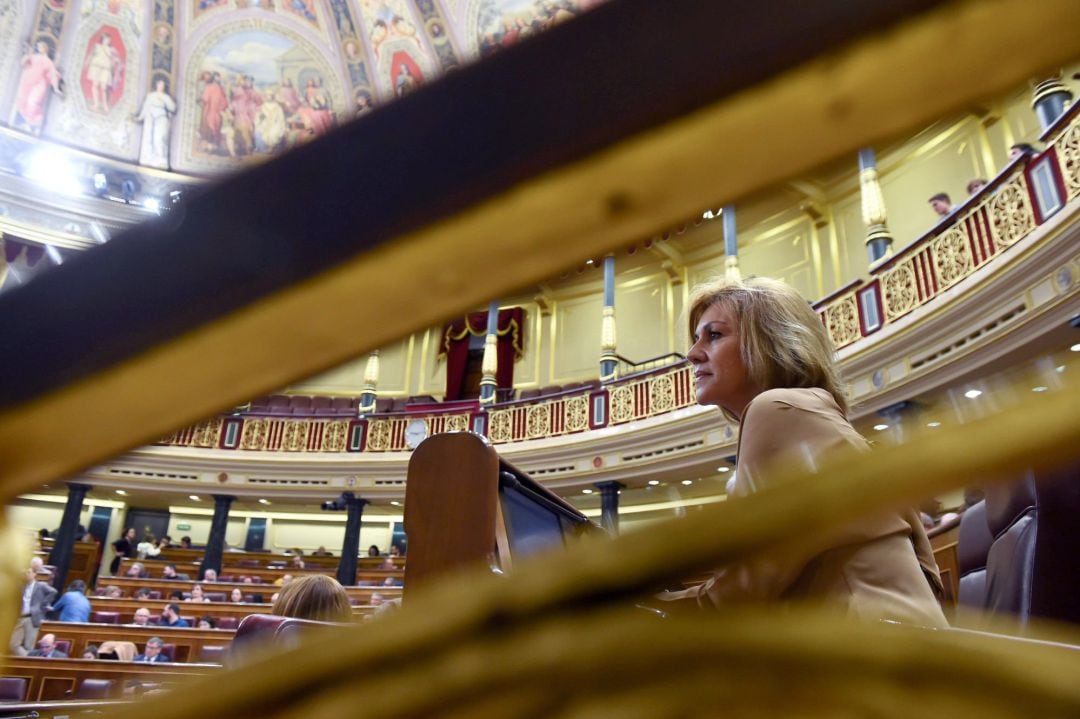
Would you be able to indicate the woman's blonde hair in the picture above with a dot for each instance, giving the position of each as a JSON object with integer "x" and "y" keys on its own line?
{"x": 314, "y": 596}
{"x": 782, "y": 340}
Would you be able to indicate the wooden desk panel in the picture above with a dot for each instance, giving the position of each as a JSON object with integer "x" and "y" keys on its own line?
{"x": 157, "y": 566}
{"x": 165, "y": 586}
{"x": 52, "y": 679}
{"x": 126, "y": 608}
{"x": 233, "y": 560}
{"x": 189, "y": 641}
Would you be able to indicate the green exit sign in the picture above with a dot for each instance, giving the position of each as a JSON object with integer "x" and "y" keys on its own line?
{"x": 183, "y": 526}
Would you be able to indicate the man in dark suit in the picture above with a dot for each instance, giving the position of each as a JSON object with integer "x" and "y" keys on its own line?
{"x": 152, "y": 653}
{"x": 36, "y": 598}
{"x": 47, "y": 648}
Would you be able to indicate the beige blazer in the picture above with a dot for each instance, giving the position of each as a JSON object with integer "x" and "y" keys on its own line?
{"x": 876, "y": 568}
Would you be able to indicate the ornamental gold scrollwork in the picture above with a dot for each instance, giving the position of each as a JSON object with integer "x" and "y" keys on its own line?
{"x": 900, "y": 294}
{"x": 622, "y": 404}
{"x": 842, "y": 321}
{"x": 254, "y": 435}
{"x": 295, "y": 435}
{"x": 577, "y": 414}
{"x": 1068, "y": 152}
{"x": 538, "y": 421}
{"x": 1010, "y": 213}
{"x": 952, "y": 257}
{"x": 378, "y": 437}
{"x": 207, "y": 433}
{"x": 456, "y": 423}
{"x": 661, "y": 394}
{"x": 334, "y": 436}
{"x": 499, "y": 426}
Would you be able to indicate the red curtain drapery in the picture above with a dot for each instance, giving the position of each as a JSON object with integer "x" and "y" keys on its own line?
{"x": 455, "y": 347}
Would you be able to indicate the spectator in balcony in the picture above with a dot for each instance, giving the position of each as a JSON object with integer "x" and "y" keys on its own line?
{"x": 152, "y": 653}
{"x": 171, "y": 616}
{"x": 941, "y": 204}
{"x": 73, "y": 606}
{"x": 47, "y": 648}
{"x": 1020, "y": 149}
{"x": 298, "y": 562}
{"x": 373, "y": 550}
{"x": 169, "y": 572}
{"x": 123, "y": 547}
{"x": 315, "y": 596}
{"x": 210, "y": 575}
{"x": 137, "y": 571}
{"x": 141, "y": 617}
{"x": 762, "y": 355}
{"x": 185, "y": 542}
{"x": 236, "y": 596}
{"x": 197, "y": 594}
{"x": 975, "y": 185}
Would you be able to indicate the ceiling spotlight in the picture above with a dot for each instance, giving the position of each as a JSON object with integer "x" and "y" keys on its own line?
{"x": 121, "y": 492}
{"x": 264, "y": 501}
{"x": 1040, "y": 388}
{"x": 1060, "y": 368}
{"x": 972, "y": 393}
{"x": 688, "y": 481}
{"x": 933, "y": 424}
{"x": 1075, "y": 347}
{"x": 881, "y": 427}
{"x": 725, "y": 468}
{"x": 193, "y": 497}
{"x": 654, "y": 482}
{"x": 586, "y": 491}
{"x": 152, "y": 204}
{"x": 395, "y": 503}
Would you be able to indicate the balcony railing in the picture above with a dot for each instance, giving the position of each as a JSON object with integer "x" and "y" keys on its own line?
{"x": 1022, "y": 197}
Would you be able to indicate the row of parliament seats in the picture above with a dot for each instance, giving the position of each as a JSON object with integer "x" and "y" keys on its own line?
{"x": 154, "y": 568}
{"x": 279, "y": 404}
{"x": 37, "y": 679}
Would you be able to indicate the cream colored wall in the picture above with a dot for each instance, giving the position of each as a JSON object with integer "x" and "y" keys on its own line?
{"x": 309, "y": 534}
{"x": 235, "y": 531}
{"x": 808, "y": 232}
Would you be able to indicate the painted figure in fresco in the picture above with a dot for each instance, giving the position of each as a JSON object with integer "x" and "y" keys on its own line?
{"x": 289, "y": 97}
{"x": 103, "y": 71}
{"x": 214, "y": 103}
{"x": 156, "y": 117}
{"x": 303, "y": 7}
{"x": 270, "y": 125}
{"x": 244, "y": 103}
{"x": 405, "y": 82}
{"x": 38, "y": 76}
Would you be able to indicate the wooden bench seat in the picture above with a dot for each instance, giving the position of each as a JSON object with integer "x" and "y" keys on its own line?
{"x": 236, "y": 560}
{"x": 155, "y": 567}
{"x": 190, "y": 610}
{"x": 165, "y": 586}
{"x": 188, "y": 642}
{"x": 52, "y": 679}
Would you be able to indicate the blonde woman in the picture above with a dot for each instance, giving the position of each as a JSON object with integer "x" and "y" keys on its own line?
{"x": 761, "y": 355}
{"x": 314, "y": 596}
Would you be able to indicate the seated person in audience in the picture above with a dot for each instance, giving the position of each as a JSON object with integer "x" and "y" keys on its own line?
{"x": 73, "y": 606}
{"x": 136, "y": 571}
{"x": 315, "y": 596}
{"x": 141, "y": 618}
{"x": 113, "y": 592}
{"x": 207, "y": 622}
{"x": 236, "y": 596}
{"x": 298, "y": 562}
{"x": 47, "y": 648}
{"x": 169, "y": 572}
{"x": 762, "y": 355}
{"x": 177, "y": 595}
{"x": 170, "y": 617}
{"x": 373, "y": 550}
{"x": 37, "y": 564}
{"x": 322, "y": 552}
{"x": 975, "y": 185}
{"x": 185, "y": 542}
{"x": 152, "y": 653}
{"x": 274, "y": 597}
{"x": 387, "y": 564}
{"x": 91, "y": 652}
{"x": 391, "y": 582}
{"x": 941, "y": 204}
{"x": 165, "y": 542}
{"x": 376, "y": 599}
{"x": 387, "y": 607}
{"x": 394, "y": 551}
{"x": 283, "y": 580}
{"x": 197, "y": 594}
{"x": 247, "y": 580}
{"x": 141, "y": 593}
{"x": 1020, "y": 149}
{"x": 148, "y": 547}
{"x": 210, "y": 575}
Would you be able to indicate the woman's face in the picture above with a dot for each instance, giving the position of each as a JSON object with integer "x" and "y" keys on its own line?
{"x": 720, "y": 376}
{"x": 237, "y": 595}
{"x": 196, "y": 592}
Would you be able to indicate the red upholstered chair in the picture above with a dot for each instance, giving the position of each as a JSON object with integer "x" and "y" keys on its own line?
{"x": 256, "y": 580}
{"x": 321, "y": 405}
{"x": 13, "y": 689}
{"x": 155, "y": 594}
{"x": 217, "y": 596}
{"x": 300, "y": 405}
{"x": 529, "y": 393}
{"x": 210, "y": 654}
{"x": 398, "y": 404}
{"x": 384, "y": 405}
{"x": 253, "y": 598}
{"x": 96, "y": 689}
{"x": 277, "y": 404}
{"x": 169, "y": 650}
{"x": 248, "y": 563}
{"x": 344, "y": 406}
{"x": 227, "y": 623}
{"x": 64, "y": 645}
{"x": 105, "y": 617}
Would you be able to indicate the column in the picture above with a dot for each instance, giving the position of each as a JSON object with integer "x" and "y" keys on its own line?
{"x": 371, "y": 381}
{"x": 609, "y": 505}
{"x": 1051, "y": 99}
{"x": 60, "y": 557}
{"x": 609, "y": 361}
{"x": 731, "y": 244}
{"x": 215, "y": 546}
{"x": 878, "y": 238}
{"x": 490, "y": 364}
{"x": 350, "y": 547}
